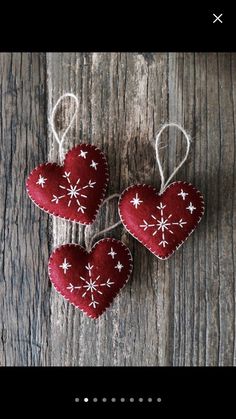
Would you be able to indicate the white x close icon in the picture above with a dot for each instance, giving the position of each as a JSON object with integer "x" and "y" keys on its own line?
{"x": 217, "y": 18}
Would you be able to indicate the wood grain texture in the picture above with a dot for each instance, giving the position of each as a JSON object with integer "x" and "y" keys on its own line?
{"x": 24, "y": 290}
{"x": 175, "y": 312}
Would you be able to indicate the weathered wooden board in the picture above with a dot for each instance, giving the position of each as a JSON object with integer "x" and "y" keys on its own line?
{"x": 175, "y": 312}
{"x": 24, "y": 290}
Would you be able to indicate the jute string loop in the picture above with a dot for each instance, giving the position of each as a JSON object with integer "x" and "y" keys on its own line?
{"x": 165, "y": 183}
{"x": 61, "y": 140}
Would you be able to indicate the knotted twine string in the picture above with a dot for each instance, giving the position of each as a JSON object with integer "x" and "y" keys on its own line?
{"x": 61, "y": 140}
{"x": 164, "y": 183}
{"x": 89, "y": 242}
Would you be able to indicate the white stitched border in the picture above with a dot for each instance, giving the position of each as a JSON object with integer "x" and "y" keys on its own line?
{"x": 103, "y": 190}
{"x": 87, "y": 253}
{"x": 151, "y": 187}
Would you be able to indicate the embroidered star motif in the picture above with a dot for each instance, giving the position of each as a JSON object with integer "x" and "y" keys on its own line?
{"x": 65, "y": 266}
{"x": 119, "y": 266}
{"x": 136, "y": 201}
{"x": 191, "y": 208}
{"x": 73, "y": 192}
{"x": 183, "y": 194}
{"x": 91, "y": 287}
{"x": 162, "y": 225}
{"x": 94, "y": 165}
{"x": 112, "y": 253}
{"x": 41, "y": 181}
{"x": 83, "y": 154}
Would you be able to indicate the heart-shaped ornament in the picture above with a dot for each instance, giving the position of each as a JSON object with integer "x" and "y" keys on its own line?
{"x": 74, "y": 190}
{"x": 161, "y": 222}
{"x": 91, "y": 281}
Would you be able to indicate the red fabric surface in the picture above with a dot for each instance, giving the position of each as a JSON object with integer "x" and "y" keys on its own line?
{"x": 96, "y": 274}
{"x": 75, "y": 190}
{"x": 161, "y": 222}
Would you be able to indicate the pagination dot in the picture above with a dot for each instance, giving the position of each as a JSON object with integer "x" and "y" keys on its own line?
{"x": 149, "y": 399}
{"x": 86, "y": 399}
{"x": 113, "y": 399}
{"x": 122, "y": 399}
{"x": 104, "y": 399}
{"x": 158, "y": 399}
{"x": 131, "y": 399}
{"x": 95, "y": 399}
{"x": 140, "y": 399}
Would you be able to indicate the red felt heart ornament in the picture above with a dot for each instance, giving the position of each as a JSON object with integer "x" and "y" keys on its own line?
{"x": 74, "y": 190}
{"x": 161, "y": 222}
{"x": 90, "y": 281}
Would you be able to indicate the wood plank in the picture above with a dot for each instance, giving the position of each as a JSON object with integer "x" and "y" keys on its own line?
{"x": 24, "y": 292}
{"x": 201, "y": 98}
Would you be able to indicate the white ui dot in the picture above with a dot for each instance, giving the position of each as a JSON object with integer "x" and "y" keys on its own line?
{"x": 86, "y": 399}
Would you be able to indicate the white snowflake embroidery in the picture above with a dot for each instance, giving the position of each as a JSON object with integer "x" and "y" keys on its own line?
{"x": 72, "y": 287}
{"x": 83, "y": 154}
{"x": 94, "y": 165}
{"x": 91, "y": 286}
{"x": 65, "y": 266}
{"x": 191, "y": 208}
{"x": 112, "y": 253}
{"x": 41, "y": 181}
{"x": 119, "y": 266}
{"x": 136, "y": 201}
{"x": 162, "y": 225}
{"x": 183, "y": 194}
{"x": 73, "y": 192}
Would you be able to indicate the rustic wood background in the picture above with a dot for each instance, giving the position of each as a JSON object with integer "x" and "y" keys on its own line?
{"x": 175, "y": 312}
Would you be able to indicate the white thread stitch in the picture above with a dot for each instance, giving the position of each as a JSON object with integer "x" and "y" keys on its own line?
{"x": 112, "y": 253}
{"x": 136, "y": 201}
{"x": 103, "y": 192}
{"x": 164, "y": 183}
{"x": 89, "y": 268}
{"x": 94, "y": 165}
{"x": 83, "y": 154}
{"x": 74, "y": 191}
{"x": 91, "y": 286}
{"x": 119, "y": 266}
{"x": 82, "y": 248}
{"x": 51, "y": 121}
{"x": 65, "y": 266}
{"x": 72, "y": 287}
{"x": 155, "y": 191}
{"x": 191, "y": 208}
{"x": 41, "y": 181}
{"x": 183, "y": 194}
{"x": 162, "y": 224}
